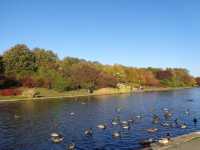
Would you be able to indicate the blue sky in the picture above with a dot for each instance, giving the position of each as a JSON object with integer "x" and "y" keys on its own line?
{"x": 141, "y": 33}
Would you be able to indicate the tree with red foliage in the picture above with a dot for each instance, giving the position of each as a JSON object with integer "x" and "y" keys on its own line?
{"x": 106, "y": 80}
{"x": 164, "y": 75}
{"x": 197, "y": 79}
{"x": 84, "y": 75}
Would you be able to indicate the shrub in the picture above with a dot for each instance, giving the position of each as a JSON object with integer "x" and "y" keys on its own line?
{"x": 10, "y": 92}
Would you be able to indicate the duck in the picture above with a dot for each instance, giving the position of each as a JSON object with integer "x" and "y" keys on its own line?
{"x": 138, "y": 117}
{"x": 124, "y": 122}
{"x": 116, "y": 134}
{"x": 176, "y": 121}
{"x": 190, "y": 100}
{"x": 125, "y": 126}
{"x": 156, "y": 119}
{"x": 83, "y": 103}
{"x": 56, "y": 138}
{"x": 130, "y": 120}
{"x": 71, "y": 146}
{"x": 165, "y": 124}
{"x": 114, "y": 123}
{"x": 187, "y": 112}
{"x": 163, "y": 141}
{"x": 183, "y": 126}
{"x": 16, "y": 116}
{"x": 168, "y": 136}
{"x": 88, "y": 132}
{"x": 102, "y": 126}
{"x": 72, "y": 113}
{"x": 165, "y": 109}
{"x": 151, "y": 130}
{"x": 147, "y": 142}
{"x": 167, "y": 114}
{"x": 195, "y": 120}
{"x": 118, "y": 109}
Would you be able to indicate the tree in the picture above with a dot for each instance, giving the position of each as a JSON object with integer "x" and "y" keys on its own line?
{"x": 164, "y": 75}
{"x": 106, "y": 80}
{"x": 197, "y": 79}
{"x": 66, "y": 64}
{"x": 84, "y": 75}
{"x": 1, "y": 65}
{"x": 45, "y": 58}
{"x": 19, "y": 60}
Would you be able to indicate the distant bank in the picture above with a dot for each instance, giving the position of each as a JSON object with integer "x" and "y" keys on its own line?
{"x": 52, "y": 94}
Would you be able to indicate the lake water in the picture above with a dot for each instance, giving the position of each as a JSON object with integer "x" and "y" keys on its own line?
{"x": 28, "y": 125}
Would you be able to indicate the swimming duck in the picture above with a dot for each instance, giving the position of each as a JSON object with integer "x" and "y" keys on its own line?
{"x": 88, "y": 132}
{"x": 125, "y": 126}
{"x": 114, "y": 123}
{"x": 116, "y": 134}
{"x": 118, "y": 109}
{"x": 151, "y": 130}
{"x": 195, "y": 120}
{"x": 72, "y": 113}
{"x": 56, "y": 138}
{"x": 176, "y": 121}
{"x": 168, "y": 136}
{"x": 183, "y": 126}
{"x": 16, "y": 116}
{"x": 102, "y": 126}
{"x": 124, "y": 122}
{"x": 156, "y": 119}
{"x": 163, "y": 141}
{"x": 165, "y": 109}
{"x": 167, "y": 114}
{"x": 130, "y": 120}
{"x": 71, "y": 146}
{"x": 139, "y": 117}
{"x": 190, "y": 100}
{"x": 165, "y": 124}
{"x": 83, "y": 103}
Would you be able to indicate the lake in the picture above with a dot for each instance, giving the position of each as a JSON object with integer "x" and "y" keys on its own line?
{"x": 27, "y": 125}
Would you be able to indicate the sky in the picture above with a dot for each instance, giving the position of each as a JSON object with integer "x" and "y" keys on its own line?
{"x": 139, "y": 33}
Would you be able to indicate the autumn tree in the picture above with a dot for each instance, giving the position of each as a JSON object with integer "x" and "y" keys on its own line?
{"x": 197, "y": 79}
{"x": 84, "y": 75}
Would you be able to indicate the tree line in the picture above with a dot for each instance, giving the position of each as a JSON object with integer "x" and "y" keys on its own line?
{"x": 21, "y": 66}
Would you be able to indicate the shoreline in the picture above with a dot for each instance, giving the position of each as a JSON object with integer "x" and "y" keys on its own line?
{"x": 96, "y": 93}
{"x": 182, "y": 142}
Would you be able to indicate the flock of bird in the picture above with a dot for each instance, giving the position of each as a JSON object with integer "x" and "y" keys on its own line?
{"x": 127, "y": 124}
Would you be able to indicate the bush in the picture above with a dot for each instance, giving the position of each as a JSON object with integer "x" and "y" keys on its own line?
{"x": 10, "y": 92}
{"x": 8, "y": 82}
{"x": 28, "y": 82}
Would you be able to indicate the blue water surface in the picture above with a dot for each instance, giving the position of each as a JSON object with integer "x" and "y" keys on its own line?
{"x": 27, "y": 125}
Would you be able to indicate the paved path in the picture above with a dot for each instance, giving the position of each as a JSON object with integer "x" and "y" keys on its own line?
{"x": 190, "y": 145}
{"x": 185, "y": 142}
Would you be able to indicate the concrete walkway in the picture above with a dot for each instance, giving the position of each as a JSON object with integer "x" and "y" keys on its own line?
{"x": 185, "y": 142}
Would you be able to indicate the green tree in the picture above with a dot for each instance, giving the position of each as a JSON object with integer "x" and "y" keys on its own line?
{"x": 1, "y": 65}
{"x": 45, "y": 58}
{"x": 19, "y": 60}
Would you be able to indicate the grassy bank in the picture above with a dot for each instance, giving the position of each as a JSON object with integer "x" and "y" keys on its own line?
{"x": 52, "y": 94}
